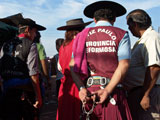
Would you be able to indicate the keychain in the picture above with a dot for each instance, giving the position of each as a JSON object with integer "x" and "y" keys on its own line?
{"x": 87, "y": 117}
{"x": 89, "y": 112}
{"x": 112, "y": 100}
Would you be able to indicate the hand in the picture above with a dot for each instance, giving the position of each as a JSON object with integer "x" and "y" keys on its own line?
{"x": 145, "y": 102}
{"x": 102, "y": 94}
{"x": 38, "y": 103}
{"x": 83, "y": 95}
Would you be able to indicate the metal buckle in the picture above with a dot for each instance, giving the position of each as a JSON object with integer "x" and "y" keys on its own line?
{"x": 103, "y": 81}
{"x": 97, "y": 80}
{"x": 90, "y": 81}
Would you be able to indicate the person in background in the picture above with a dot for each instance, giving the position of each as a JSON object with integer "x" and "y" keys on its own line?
{"x": 143, "y": 77}
{"x": 68, "y": 99}
{"x": 100, "y": 62}
{"x": 8, "y": 31}
{"x": 9, "y": 27}
{"x": 43, "y": 68}
{"x": 54, "y": 69}
{"x": 22, "y": 94}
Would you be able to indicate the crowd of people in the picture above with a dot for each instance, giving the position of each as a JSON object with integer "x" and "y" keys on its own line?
{"x": 98, "y": 75}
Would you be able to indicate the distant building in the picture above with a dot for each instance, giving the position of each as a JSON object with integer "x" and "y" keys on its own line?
{"x": 158, "y": 29}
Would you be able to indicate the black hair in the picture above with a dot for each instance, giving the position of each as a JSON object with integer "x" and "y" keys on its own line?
{"x": 59, "y": 42}
{"x": 37, "y": 38}
{"x": 140, "y": 17}
{"x": 104, "y": 14}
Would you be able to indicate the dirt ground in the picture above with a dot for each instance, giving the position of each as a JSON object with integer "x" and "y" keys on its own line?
{"x": 48, "y": 110}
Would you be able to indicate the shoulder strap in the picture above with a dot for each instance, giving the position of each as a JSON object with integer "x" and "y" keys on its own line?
{"x": 24, "y": 47}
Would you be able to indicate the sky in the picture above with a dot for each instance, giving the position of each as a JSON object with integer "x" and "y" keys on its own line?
{"x": 55, "y": 13}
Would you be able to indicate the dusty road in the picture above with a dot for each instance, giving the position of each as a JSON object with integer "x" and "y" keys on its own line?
{"x": 48, "y": 110}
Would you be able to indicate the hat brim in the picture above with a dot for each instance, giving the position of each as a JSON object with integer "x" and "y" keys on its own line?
{"x": 26, "y": 22}
{"x": 68, "y": 27}
{"x": 117, "y": 8}
{"x": 39, "y": 27}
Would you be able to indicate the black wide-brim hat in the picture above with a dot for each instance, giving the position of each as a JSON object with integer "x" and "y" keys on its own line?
{"x": 12, "y": 20}
{"x": 31, "y": 23}
{"x": 74, "y": 24}
{"x": 92, "y": 8}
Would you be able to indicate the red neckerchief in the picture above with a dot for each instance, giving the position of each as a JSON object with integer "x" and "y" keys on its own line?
{"x": 23, "y": 35}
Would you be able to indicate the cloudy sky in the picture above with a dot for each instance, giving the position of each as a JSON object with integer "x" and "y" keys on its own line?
{"x": 55, "y": 13}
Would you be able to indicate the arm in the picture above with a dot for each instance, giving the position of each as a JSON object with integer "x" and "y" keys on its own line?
{"x": 149, "y": 82}
{"x": 35, "y": 83}
{"x": 117, "y": 77}
{"x": 45, "y": 71}
{"x": 32, "y": 62}
{"x": 77, "y": 80}
{"x": 45, "y": 68}
{"x": 42, "y": 57}
{"x": 59, "y": 66}
{"x": 151, "y": 56}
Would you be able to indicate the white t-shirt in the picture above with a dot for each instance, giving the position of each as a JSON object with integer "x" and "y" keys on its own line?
{"x": 145, "y": 53}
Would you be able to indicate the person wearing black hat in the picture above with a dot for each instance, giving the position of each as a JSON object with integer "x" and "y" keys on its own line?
{"x": 44, "y": 78}
{"x": 68, "y": 99}
{"x": 21, "y": 82}
{"x": 8, "y": 27}
{"x": 143, "y": 77}
{"x": 104, "y": 51}
{"x": 12, "y": 19}
{"x": 8, "y": 31}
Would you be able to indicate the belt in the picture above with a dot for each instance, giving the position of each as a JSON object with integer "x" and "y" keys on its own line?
{"x": 98, "y": 80}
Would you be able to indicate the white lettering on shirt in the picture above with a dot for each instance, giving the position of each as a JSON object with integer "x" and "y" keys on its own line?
{"x": 101, "y": 49}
